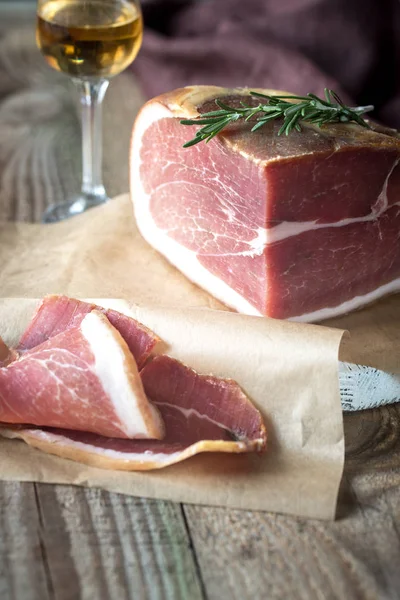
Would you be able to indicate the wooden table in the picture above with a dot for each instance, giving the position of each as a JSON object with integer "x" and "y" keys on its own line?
{"x": 64, "y": 542}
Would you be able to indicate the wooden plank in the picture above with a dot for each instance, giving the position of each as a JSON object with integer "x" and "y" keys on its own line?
{"x": 23, "y": 573}
{"x": 101, "y": 545}
{"x": 259, "y": 555}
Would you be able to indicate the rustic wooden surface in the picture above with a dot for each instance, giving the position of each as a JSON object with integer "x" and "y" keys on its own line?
{"x": 67, "y": 543}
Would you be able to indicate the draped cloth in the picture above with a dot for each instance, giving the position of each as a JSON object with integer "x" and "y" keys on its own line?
{"x": 296, "y": 45}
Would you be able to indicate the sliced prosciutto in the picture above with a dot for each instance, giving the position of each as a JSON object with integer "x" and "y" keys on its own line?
{"x": 201, "y": 414}
{"x": 84, "y": 378}
{"x": 201, "y": 403}
{"x": 58, "y": 313}
{"x": 305, "y": 226}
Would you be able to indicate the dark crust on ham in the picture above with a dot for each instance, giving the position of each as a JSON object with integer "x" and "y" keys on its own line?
{"x": 58, "y": 313}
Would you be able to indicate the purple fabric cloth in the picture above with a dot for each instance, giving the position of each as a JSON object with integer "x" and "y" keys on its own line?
{"x": 352, "y": 46}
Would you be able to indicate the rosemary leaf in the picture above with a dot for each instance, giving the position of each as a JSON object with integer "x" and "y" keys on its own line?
{"x": 310, "y": 108}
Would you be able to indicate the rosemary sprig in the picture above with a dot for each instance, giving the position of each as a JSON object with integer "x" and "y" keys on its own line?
{"x": 310, "y": 108}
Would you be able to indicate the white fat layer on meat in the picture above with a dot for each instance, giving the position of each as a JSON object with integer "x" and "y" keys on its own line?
{"x": 187, "y": 262}
{"x": 190, "y": 412}
{"x": 182, "y": 258}
{"x": 350, "y": 305}
{"x": 287, "y": 229}
{"x": 110, "y": 368}
{"x": 143, "y": 457}
{"x": 140, "y": 457}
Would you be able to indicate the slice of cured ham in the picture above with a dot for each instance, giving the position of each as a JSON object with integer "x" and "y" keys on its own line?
{"x": 305, "y": 226}
{"x": 201, "y": 414}
{"x": 58, "y": 313}
{"x": 200, "y": 403}
{"x": 85, "y": 378}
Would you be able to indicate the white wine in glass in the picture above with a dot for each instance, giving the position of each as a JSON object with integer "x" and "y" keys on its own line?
{"x": 91, "y": 41}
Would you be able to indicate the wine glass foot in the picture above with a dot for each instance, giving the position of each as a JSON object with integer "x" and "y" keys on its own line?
{"x": 75, "y": 206}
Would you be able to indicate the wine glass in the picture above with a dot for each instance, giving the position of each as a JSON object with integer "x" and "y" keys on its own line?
{"x": 91, "y": 41}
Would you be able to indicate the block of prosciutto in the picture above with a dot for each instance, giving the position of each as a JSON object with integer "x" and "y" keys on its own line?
{"x": 58, "y": 313}
{"x": 303, "y": 227}
{"x": 201, "y": 413}
{"x": 84, "y": 378}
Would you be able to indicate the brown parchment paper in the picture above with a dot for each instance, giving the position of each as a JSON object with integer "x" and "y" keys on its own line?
{"x": 289, "y": 370}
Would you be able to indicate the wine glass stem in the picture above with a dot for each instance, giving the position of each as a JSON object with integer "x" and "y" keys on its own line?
{"x": 92, "y": 94}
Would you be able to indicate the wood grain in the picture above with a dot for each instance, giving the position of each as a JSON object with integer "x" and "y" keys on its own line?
{"x": 356, "y": 557}
{"x": 66, "y": 543}
{"x": 101, "y": 545}
{"x": 22, "y": 568}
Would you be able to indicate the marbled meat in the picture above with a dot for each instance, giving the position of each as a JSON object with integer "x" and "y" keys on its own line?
{"x": 83, "y": 378}
{"x": 304, "y": 227}
{"x": 201, "y": 414}
{"x": 58, "y": 313}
